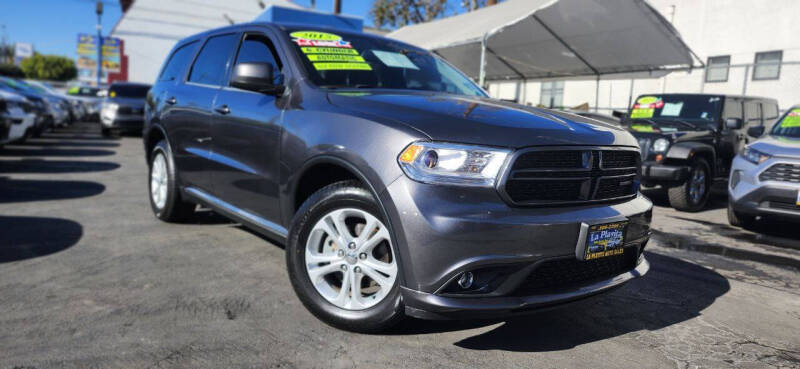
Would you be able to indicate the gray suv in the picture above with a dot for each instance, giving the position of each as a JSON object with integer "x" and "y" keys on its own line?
{"x": 765, "y": 176}
{"x": 396, "y": 185}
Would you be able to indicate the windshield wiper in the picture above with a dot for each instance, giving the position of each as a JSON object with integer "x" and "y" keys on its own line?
{"x": 685, "y": 123}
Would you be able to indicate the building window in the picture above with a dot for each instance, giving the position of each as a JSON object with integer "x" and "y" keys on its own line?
{"x": 768, "y": 65}
{"x": 717, "y": 69}
{"x": 552, "y": 95}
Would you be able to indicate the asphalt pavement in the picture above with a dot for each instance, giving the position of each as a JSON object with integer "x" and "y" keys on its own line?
{"x": 89, "y": 278}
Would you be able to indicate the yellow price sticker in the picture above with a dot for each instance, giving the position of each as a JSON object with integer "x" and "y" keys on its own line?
{"x": 326, "y": 57}
{"x": 342, "y": 66}
{"x": 314, "y": 35}
{"x": 642, "y": 113}
{"x": 792, "y": 119}
{"x": 328, "y": 50}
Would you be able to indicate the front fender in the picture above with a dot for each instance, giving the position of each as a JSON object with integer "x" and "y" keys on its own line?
{"x": 687, "y": 150}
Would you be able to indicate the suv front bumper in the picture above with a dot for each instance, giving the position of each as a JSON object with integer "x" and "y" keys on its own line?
{"x": 749, "y": 195}
{"x": 444, "y": 231}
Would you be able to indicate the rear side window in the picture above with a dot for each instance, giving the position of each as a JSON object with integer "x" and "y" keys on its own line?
{"x": 770, "y": 111}
{"x": 733, "y": 109}
{"x": 178, "y": 62}
{"x": 212, "y": 63}
{"x": 752, "y": 113}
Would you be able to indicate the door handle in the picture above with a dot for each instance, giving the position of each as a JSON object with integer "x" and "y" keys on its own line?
{"x": 171, "y": 101}
{"x": 202, "y": 139}
{"x": 223, "y": 109}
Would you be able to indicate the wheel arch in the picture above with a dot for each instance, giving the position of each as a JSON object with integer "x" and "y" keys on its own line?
{"x": 685, "y": 151}
{"x": 371, "y": 182}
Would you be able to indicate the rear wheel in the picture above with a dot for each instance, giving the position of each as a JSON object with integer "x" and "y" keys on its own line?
{"x": 165, "y": 197}
{"x": 341, "y": 261}
{"x": 738, "y": 219}
{"x": 692, "y": 195}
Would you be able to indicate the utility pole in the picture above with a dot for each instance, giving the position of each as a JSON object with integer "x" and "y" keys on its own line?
{"x": 313, "y": 4}
{"x": 337, "y": 6}
{"x": 99, "y": 11}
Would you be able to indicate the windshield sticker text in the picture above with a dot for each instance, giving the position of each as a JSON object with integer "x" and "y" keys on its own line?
{"x": 792, "y": 119}
{"x": 342, "y": 66}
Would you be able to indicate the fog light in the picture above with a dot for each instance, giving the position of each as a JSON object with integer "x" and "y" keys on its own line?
{"x": 465, "y": 280}
{"x": 736, "y": 177}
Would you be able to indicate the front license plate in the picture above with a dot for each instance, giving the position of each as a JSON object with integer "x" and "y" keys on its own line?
{"x": 604, "y": 240}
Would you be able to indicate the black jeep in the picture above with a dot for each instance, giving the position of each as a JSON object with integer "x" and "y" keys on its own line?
{"x": 689, "y": 140}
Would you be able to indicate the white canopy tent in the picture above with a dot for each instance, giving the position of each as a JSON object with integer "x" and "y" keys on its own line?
{"x": 531, "y": 39}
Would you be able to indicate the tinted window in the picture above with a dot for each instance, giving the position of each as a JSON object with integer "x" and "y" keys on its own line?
{"x": 752, "y": 113}
{"x": 733, "y": 109}
{"x": 770, "y": 111}
{"x": 258, "y": 49}
{"x": 128, "y": 91}
{"x": 177, "y": 63}
{"x": 212, "y": 63}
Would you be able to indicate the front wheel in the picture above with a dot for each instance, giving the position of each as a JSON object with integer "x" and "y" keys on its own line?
{"x": 692, "y": 195}
{"x": 738, "y": 219}
{"x": 341, "y": 260}
{"x": 165, "y": 196}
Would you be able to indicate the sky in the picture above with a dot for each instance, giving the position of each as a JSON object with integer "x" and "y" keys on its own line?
{"x": 52, "y": 26}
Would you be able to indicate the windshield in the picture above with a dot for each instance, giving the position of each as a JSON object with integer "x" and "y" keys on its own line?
{"x": 789, "y": 125}
{"x": 18, "y": 86}
{"x": 135, "y": 91}
{"x": 359, "y": 61}
{"x": 671, "y": 112}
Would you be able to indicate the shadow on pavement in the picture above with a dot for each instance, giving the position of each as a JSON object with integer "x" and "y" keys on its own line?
{"x": 54, "y": 166}
{"x": 774, "y": 232}
{"x": 660, "y": 198}
{"x": 21, "y": 151}
{"x": 24, "y": 190}
{"x": 62, "y": 143}
{"x": 672, "y": 292}
{"x": 31, "y": 237}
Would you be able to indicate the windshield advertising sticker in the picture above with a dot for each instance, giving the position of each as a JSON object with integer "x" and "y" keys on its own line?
{"x": 327, "y": 51}
{"x": 646, "y": 106}
{"x": 604, "y": 240}
{"x": 792, "y": 119}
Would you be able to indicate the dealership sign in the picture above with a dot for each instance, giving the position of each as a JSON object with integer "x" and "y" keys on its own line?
{"x": 87, "y": 56}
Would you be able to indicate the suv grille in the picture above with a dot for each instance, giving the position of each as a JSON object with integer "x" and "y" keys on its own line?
{"x": 559, "y": 275}
{"x": 782, "y": 172}
{"x": 572, "y": 176}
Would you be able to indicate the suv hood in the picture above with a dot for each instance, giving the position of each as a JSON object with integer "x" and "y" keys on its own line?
{"x": 778, "y": 146}
{"x": 483, "y": 121}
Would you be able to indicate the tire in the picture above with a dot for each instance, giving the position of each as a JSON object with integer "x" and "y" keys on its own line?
{"x": 682, "y": 197}
{"x": 373, "y": 310}
{"x": 164, "y": 194}
{"x": 738, "y": 219}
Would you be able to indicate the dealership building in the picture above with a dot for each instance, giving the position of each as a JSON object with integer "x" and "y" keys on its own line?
{"x": 150, "y": 28}
{"x": 749, "y": 47}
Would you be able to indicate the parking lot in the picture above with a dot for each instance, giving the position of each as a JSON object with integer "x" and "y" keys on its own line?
{"x": 89, "y": 278}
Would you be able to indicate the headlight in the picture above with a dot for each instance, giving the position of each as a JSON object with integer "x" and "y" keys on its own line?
{"x": 754, "y": 156}
{"x": 444, "y": 163}
{"x": 110, "y": 108}
{"x": 660, "y": 145}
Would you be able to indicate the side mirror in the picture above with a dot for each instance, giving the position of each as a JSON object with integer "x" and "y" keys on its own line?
{"x": 755, "y": 131}
{"x": 257, "y": 77}
{"x": 734, "y": 123}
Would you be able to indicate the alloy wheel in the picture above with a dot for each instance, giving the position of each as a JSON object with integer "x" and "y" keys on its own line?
{"x": 697, "y": 186}
{"x": 349, "y": 259}
{"x": 158, "y": 180}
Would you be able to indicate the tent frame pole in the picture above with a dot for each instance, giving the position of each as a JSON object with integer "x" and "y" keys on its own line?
{"x": 597, "y": 94}
{"x": 482, "y": 73}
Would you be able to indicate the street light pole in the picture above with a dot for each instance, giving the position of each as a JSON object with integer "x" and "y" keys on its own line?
{"x": 99, "y": 43}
